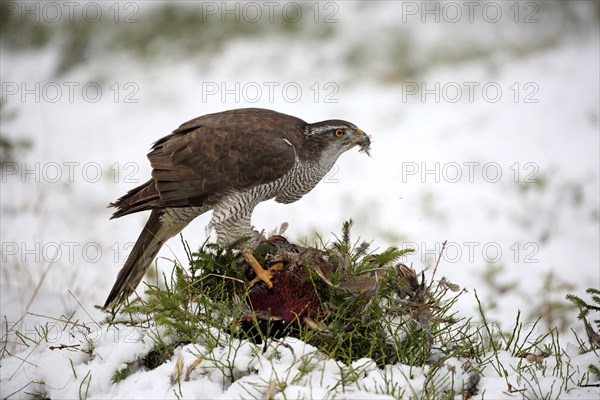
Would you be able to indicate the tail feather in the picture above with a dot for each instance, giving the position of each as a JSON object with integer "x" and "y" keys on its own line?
{"x": 141, "y": 198}
{"x": 155, "y": 233}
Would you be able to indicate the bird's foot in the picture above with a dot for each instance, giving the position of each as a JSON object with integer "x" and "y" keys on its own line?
{"x": 278, "y": 266}
{"x": 261, "y": 273}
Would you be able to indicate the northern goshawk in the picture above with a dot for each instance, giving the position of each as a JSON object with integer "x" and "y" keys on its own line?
{"x": 227, "y": 162}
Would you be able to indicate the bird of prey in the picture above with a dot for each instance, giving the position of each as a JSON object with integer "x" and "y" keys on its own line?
{"x": 227, "y": 162}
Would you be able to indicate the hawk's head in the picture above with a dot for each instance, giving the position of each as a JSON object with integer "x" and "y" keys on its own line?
{"x": 336, "y": 136}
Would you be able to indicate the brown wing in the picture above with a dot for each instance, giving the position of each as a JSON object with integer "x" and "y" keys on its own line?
{"x": 211, "y": 155}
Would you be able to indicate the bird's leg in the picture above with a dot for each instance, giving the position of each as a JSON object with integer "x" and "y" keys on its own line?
{"x": 261, "y": 273}
{"x": 228, "y": 228}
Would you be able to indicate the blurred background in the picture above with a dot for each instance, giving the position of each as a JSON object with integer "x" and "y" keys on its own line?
{"x": 484, "y": 118}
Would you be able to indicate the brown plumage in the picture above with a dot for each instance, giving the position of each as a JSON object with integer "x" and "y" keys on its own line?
{"x": 227, "y": 162}
{"x": 193, "y": 165}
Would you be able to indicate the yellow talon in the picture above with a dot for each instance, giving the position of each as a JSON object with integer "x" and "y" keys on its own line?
{"x": 261, "y": 273}
{"x": 277, "y": 266}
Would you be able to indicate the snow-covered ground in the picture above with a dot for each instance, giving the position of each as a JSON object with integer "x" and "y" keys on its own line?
{"x": 485, "y": 134}
{"x": 290, "y": 369}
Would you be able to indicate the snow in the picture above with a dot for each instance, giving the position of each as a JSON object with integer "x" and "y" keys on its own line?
{"x": 60, "y": 254}
{"x": 290, "y": 369}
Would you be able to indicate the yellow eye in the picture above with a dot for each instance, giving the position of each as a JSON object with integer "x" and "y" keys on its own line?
{"x": 339, "y": 132}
